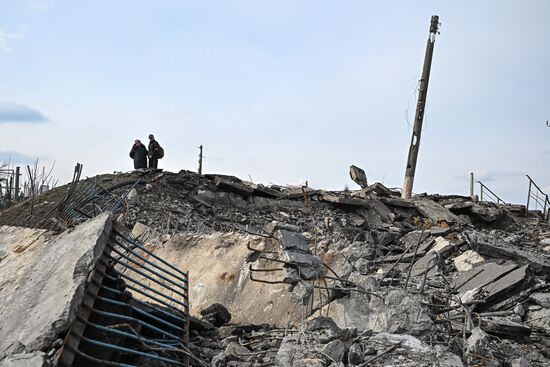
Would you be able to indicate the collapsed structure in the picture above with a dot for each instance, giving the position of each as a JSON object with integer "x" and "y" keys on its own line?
{"x": 288, "y": 276}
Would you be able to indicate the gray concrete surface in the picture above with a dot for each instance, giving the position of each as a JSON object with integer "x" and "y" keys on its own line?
{"x": 42, "y": 284}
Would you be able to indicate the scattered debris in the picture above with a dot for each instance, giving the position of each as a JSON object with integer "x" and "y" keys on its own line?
{"x": 296, "y": 276}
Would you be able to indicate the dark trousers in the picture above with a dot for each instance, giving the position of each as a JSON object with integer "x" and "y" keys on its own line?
{"x": 153, "y": 163}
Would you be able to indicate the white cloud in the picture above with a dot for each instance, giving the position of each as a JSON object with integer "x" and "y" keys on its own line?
{"x": 7, "y": 37}
{"x": 40, "y": 6}
{"x": 11, "y": 112}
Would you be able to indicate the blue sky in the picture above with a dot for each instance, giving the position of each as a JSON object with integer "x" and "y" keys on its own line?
{"x": 281, "y": 91}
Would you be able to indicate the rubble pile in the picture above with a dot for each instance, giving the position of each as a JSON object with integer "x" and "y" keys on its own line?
{"x": 373, "y": 279}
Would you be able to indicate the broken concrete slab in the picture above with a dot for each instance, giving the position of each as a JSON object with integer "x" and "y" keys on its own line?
{"x": 43, "y": 286}
{"x": 358, "y": 176}
{"x": 538, "y": 263}
{"x": 261, "y": 190}
{"x": 505, "y": 328}
{"x": 343, "y": 200}
{"x": 435, "y": 212}
{"x": 398, "y": 202}
{"x": 410, "y": 240}
{"x": 428, "y": 262}
{"x": 300, "y": 192}
{"x": 510, "y": 281}
{"x": 468, "y": 260}
{"x": 481, "y": 276}
{"x": 381, "y": 190}
{"x": 385, "y": 213}
{"x": 235, "y": 186}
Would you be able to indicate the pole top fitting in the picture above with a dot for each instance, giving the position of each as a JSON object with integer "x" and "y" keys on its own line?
{"x": 434, "y": 24}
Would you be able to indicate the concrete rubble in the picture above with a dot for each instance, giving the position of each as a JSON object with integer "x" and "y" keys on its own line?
{"x": 296, "y": 276}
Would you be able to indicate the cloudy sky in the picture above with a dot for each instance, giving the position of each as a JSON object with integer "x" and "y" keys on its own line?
{"x": 281, "y": 91}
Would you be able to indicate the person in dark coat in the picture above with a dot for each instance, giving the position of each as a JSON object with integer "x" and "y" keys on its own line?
{"x": 139, "y": 155}
{"x": 154, "y": 152}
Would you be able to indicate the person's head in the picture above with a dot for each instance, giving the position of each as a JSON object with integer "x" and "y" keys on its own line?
{"x": 137, "y": 142}
{"x": 151, "y": 137}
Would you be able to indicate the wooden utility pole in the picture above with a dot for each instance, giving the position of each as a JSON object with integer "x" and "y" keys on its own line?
{"x": 200, "y": 160}
{"x": 420, "y": 106}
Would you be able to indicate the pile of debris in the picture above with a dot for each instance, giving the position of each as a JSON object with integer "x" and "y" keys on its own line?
{"x": 295, "y": 276}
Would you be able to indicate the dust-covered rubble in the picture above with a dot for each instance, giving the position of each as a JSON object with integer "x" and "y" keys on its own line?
{"x": 358, "y": 277}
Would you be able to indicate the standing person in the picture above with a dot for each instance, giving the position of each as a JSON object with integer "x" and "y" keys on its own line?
{"x": 155, "y": 152}
{"x": 139, "y": 155}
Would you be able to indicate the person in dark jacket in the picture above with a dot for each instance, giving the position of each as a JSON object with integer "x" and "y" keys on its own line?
{"x": 139, "y": 155}
{"x": 154, "y": 152}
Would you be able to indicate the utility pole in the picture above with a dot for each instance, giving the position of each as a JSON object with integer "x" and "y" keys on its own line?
{"x": 420, "y": 106}
{"x": 17, "y": 174}
{"x": 471, "y": 184}
{"x": 200, "y": 160}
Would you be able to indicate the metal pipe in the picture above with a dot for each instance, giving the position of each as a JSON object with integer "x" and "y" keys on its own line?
{"x": 147, "y": 294}
{"x": 127, "y": 277}
{"x": 148, "y": 305}
{"x": 137, "y": 244}
{"x": 129, "y": 351}
{"x": 142, "y": 258}
{"x": 140, "y": 311}
{"x": 147, "y": 276}
{"x": 129, "y": 318}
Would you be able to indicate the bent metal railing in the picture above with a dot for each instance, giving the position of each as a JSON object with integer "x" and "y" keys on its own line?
{"x": 485, "y": 192}
{"x": 539, "y": 198}
{"x": 135, "y": 311}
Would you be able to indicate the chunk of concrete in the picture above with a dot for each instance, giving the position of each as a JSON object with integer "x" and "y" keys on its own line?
{"x": 355, "y": 354}
{"x": 292, "y": 240}
{"x": 519, "y": 362}
{"x": 478, "y": 342}
{"x": 443, "y": 246}
{"x": 540, "y": 320}
{"x": 216, "y": 314}
{"x": 399, "y": 311}
{"x": 144, "y": 233}
{"x": 298, "y": 258}
{"x": 435, "y": 212}
{"x": 43, "y": 286}
{"x": 408, "y": 341}
{"x": 468, "y": 260}
{"x": 335, "y": 350}
{"x": 541, "y": 299}
{"x": 35, "y": 359}
{"x": 324, "y": 328}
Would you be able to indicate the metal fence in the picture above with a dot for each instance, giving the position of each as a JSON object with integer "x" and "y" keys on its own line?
{"x": 538, "y": 198}
{"x": 485, "y": 194}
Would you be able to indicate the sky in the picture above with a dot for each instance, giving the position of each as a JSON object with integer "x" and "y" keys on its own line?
{"x": 281, "y": 91}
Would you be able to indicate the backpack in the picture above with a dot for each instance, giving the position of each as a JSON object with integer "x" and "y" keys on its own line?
{"x": 160, "y": 152}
